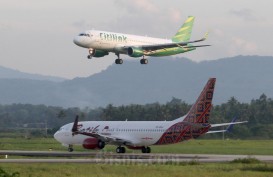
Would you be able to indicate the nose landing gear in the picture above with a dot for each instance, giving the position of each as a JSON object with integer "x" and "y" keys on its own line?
{"x": 91, "y": 53}
{"x": 70, "y": 148}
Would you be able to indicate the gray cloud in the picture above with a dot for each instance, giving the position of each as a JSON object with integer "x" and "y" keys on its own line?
{"x": 36, "y": 37}
{"x": 146, "y": 6}
{"x": 245, "y": 14}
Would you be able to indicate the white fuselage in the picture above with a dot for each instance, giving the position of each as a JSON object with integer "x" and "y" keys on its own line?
{"x": 140, "y": 133}
{"x": 113, "y": 42}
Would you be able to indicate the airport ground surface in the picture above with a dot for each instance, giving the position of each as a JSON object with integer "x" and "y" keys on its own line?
{"x": 182, "y": 169}
{"x": 225, "y": 147}
{"x": 38, "y": 157}
{"x": 112, "y": 158}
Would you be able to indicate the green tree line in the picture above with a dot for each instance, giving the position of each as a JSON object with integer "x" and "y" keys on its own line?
{"x": 258, "y": 113}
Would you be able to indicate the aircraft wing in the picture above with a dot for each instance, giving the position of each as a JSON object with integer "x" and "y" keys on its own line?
{"x": 103, "y": 137}
{"x": 106, "y": 138}
{"x": 171, "y": 45}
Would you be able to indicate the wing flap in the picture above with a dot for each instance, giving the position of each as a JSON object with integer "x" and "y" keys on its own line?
{"x": 106, "y": 138}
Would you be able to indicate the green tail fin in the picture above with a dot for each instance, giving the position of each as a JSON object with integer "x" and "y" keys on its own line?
{"x": 184, "y": 33}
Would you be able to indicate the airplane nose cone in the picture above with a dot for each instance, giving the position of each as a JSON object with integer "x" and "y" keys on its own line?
{"x": 57, "y": 136}
{"x": 81, "y": 41}
{"x": 76, "y": 41}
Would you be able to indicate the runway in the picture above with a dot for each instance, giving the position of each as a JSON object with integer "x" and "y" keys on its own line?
{"x": 113, "y": 158}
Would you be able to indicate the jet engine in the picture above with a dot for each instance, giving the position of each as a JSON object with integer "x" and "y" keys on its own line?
{"x": 93, "y": 143}
{"x": 97, "y": 53}
{"x": 135, "y": 52}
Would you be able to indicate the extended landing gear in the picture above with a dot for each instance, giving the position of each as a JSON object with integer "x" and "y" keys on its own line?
{"x": 70, "y": 148}
{"x": 120, "y": 149}
{"x": 143, "y": 61}
{"x": 118, "y": 61}
{"x": 146, "y": 149}
{"x": 101, "y": 144}
{"x": 91, "y": 53}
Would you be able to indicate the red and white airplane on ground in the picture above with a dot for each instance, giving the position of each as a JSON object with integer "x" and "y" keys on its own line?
{"x": 142, "y": 134}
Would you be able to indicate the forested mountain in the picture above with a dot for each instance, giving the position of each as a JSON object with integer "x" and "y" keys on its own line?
{"x": 244, "y": 77}
{"x": 162, "y": 90}
{"x": 259, "y": 113}
{"x": 7, "y": 73}
{"x": 165, "y": 78}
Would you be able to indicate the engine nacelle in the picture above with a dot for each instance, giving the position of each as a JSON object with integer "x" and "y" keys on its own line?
{"x": 135, "y": 52}
{"x": 93, "y": 143}
{"x": 98, "y": 53}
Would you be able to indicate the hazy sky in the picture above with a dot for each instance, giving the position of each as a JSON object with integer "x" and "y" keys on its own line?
{"x": 36, "y": 36}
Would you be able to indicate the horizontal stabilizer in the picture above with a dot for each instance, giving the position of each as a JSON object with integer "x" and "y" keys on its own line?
{"x": 217, "y": 131}
{"x": 231, "y": 123}
{"x": 229, "y": 128}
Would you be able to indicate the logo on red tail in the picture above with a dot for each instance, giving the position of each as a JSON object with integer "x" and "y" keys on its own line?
{"x": 198, "y": 114}
{"x": 200, "y": 111}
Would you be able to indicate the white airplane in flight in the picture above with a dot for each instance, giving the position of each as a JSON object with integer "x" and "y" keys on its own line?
{"x": 100, "y": 43}
{"x": 142, "y": 134}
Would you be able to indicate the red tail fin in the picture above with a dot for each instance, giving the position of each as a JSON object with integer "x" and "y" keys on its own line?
{"x": 200, "y": 111}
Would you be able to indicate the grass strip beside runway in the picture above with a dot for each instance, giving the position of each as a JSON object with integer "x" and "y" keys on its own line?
{"x": 135, "y": 170}
{"x": 245, "y": 147}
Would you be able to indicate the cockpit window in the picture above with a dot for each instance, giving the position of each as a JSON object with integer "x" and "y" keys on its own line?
{"x": 84, "y": 34}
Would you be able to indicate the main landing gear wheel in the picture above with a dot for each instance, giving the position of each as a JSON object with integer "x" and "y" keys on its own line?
{"x": 146, "y": 149}
{"x": 89, "y": 56}
{"x": 70, "y": 148}
{"x": 144, "y": 61}
{"x": 101, "y": 144}
{"x": 120, "y": 149}
{"x": 119, "y": 61}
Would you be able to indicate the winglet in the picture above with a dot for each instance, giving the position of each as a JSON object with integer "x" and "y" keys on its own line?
{"x": 199, "y": 40}
{"x": 75, "y": 125}
{"x": 233, "y": 122}
{"x": 203, "y": 39}
{"x": 229, "y": 128}
{"x": 206, "y": 36}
